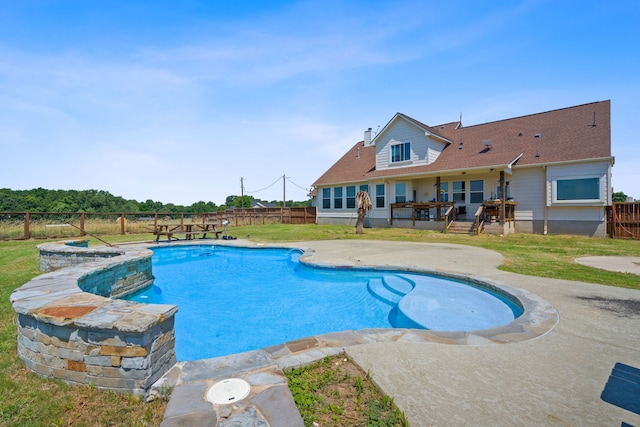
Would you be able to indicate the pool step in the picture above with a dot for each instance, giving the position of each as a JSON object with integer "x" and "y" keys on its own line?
{"x": 379, "y": 290}
{"x": 389, "y": 289}
{"x": 398, "y": 285}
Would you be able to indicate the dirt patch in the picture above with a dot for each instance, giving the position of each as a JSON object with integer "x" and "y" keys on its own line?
{"x": 621, "y": 307}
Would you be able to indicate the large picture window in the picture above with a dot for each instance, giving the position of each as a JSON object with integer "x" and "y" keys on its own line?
{"x": 379, "y": 195}
{"x": 476, "y": 191}
{"x": 401, "y": 192}
{"x": 337, "y": 197}
{"x": 326, "y": 198}
{"x": 351, "y": 197}
{"x": 578, "y": 189}
{"x": 459, "y": 191}
{"x": 401, "y": 152}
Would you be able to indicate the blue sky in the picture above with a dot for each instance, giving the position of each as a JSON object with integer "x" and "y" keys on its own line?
{"x": 177, "y": 101}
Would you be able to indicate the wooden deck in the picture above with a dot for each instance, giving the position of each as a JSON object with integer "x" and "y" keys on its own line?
{"x": 490, "y": 211}
{"x": 431, "y": 211}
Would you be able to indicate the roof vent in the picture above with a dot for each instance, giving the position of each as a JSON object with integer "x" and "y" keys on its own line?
{"x": 487, "y": 144}
{"x": 537, "y": 135}
{"x": 358, "y": 153}
{"x": 520, "y": 133}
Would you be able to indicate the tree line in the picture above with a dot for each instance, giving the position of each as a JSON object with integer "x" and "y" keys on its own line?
{"x": 43, "y": 200}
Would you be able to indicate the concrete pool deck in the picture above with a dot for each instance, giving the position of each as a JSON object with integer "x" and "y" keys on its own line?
{"x": 554, "y": 379}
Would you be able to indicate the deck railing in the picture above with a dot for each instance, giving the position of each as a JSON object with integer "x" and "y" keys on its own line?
{"x": 429, "y": 211}
{"x": 479, "y": 218}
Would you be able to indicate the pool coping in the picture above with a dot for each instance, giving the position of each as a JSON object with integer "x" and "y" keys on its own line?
{"x": 270, "y": 399}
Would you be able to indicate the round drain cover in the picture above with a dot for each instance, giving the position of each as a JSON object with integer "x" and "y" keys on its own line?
{"x": 228, "y": 391}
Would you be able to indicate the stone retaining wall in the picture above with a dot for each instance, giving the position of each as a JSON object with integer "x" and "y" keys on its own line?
{"x": 70, "y": 327}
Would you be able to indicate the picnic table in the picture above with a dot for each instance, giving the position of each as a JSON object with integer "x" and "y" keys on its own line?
{"x": 189, "y": 230}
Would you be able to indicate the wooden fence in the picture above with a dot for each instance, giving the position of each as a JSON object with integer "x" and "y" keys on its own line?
{"x": 623, "y": 220}
{"x": 54, "y": 225}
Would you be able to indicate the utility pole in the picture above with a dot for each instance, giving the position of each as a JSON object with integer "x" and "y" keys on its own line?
{"x": 242, "y": 192}
{"x": 284, "y": 191}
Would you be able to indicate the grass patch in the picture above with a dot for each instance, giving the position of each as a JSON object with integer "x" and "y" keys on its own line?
{"x": 26, "y": 399}
{"x": 335, "y": 392}
{"x": 29, "y": 400}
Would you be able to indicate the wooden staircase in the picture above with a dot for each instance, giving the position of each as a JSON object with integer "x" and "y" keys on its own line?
{"x": 462, "y": 227}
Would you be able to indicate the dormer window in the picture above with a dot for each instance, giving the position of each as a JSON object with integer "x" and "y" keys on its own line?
{"x": 401, "y": 152}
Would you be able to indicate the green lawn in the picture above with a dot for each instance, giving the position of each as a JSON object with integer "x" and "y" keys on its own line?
{"x": 534, "y": 255}
{"x": 26, "y": 399}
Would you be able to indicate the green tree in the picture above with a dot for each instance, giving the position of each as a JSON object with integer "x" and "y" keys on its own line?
{"x": 239, "y": 201}
{"x": 619, "y": 196}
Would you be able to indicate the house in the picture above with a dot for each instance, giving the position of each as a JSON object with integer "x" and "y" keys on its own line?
{"x": 548, "y": 172}
{"x": 257, "y": 204}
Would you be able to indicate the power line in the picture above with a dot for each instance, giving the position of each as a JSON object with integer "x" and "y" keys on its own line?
{"x": 274, "y": 183}
{"x": 269, "y": 186}
{"x": 300, "y": 187}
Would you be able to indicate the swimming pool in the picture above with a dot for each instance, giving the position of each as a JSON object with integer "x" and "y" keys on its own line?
{"x": 233, "y": 299}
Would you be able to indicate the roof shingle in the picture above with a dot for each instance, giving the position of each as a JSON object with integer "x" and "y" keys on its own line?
{"x": 568, "y": 134}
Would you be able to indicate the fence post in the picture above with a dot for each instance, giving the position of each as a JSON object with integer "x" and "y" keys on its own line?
{"x": 122, "y": 224}
{"x": 27, "y": 219}
{"x": 82, "y": 232}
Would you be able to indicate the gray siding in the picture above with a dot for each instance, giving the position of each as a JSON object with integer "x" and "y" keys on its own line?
{"x": 401, "y": 131}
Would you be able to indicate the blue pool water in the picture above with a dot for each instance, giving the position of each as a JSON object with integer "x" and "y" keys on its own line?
{"x": 233, "y": 300}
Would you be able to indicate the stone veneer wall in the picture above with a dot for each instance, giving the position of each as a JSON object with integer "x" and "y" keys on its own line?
{"x": 70, "y": 328}
{"x": 54, "y": 256}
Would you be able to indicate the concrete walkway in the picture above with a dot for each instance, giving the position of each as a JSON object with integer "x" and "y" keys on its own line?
{"x": 554, "y": 379}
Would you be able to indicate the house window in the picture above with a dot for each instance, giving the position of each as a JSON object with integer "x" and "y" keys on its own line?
{"x": 401, "y": 152}
{"x": 379, "y": 195}
{"x": 401, "y": 192}
{"x": 578, "y": 189}
{"x": 337, "y": 197}
{"x": 326, "y": 198}
{"x": 444, "y": 191}
{"x": 476, "y": 191}
{"x": 364, "y": 187}
{"x": 351, "y": 197}
{"x": 506, "y": 191}
{"x": 458, "y": 191}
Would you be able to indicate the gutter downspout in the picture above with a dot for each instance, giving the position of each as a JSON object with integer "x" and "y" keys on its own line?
{"x": 546, "y": 198}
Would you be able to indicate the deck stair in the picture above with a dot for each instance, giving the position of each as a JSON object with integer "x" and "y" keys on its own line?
{"x": 390, "y": 288}
{"x": 462, "y": 227}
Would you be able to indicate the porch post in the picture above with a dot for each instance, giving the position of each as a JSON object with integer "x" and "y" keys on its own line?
{"x": 438, "y": 198}
{"x": 503, "y": 197}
